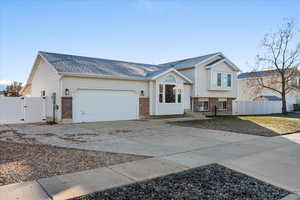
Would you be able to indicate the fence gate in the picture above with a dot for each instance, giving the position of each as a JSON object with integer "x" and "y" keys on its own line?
{"x": 22, "y": 110}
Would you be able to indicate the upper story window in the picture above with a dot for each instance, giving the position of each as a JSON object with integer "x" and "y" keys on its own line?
{"x": 219, "y": 79}
{"x": 169, "y": 79}
{"x": 228, "y": 80}
{"x": 222, "y": 80}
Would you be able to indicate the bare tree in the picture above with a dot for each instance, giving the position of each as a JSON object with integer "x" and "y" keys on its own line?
{"x": 13, "y": 90}
{"x": 281, "y": 59}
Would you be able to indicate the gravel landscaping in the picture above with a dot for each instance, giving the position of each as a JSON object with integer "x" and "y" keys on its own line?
{"x": 269, "y": 126}
{"x": 208, "y": 182}
{"x": 26, "y": 162}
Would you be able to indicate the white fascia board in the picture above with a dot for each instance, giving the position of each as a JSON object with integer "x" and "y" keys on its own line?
{"x": 35, "y": 66}
{"x": 211, "y": 66}
{"x": 100, "y": 76}
{"x": 175, "y": 71}
{"x": 233, "y": 66}
{"x": 203, "y": 61}
{"x": 53, "y": 68}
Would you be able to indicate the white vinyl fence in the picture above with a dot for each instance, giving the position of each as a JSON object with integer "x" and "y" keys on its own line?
{"x": 257, "y": 107}
{"x": 22, "y": 110}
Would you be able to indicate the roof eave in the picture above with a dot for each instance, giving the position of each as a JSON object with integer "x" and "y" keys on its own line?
{"x": 68, "y": 74}
{"x": 172, "y": 70}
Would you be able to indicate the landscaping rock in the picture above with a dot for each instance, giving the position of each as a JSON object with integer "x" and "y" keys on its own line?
{"x": 208, "y": 182}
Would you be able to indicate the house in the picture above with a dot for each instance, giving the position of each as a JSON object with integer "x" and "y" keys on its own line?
{"x": 93, "y": 89}
{"x": 249, "y": 90}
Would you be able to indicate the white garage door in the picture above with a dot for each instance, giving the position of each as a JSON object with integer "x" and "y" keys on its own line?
{"x": 105, "y": 105}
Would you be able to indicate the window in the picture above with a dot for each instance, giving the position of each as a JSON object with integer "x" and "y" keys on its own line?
{"x": 170, "y": 93}
{"x": 161, "y": 93}
{"x": 179, "y": 96}
{"x": 219, "y": 79}
{"x": 222, "y": 105}
{"x": 203, "y": 105}
{"x": 228, "y": 80}
{"x": 169, "y": 79}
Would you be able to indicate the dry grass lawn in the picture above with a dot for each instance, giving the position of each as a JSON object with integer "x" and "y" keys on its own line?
{"x": 281, "y": 125}
{"x": 254, "y": 125}
{"x": 26, "y": 162}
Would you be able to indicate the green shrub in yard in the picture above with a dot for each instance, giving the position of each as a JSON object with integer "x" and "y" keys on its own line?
{"x": 296, "y": 107}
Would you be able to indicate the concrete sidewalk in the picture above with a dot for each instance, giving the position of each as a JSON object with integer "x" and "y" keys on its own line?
{"x": 85, "y": 182}
{"x": 274, "y": 160}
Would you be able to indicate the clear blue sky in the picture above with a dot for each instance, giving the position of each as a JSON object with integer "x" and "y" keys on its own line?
{"x": 148, "y": 31}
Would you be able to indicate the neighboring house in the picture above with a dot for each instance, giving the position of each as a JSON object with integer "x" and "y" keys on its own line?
{"x": 248, "y": 91}
{"x": 93, "y": 89}
{"x": 267, "y": 98}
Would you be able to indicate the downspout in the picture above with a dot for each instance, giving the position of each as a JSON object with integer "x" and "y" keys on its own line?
{"x": 59, "y": 97}
{"x": 150, "y": 97}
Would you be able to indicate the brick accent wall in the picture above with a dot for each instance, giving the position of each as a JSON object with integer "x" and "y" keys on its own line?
{"x": 66, "y": 107}
{"x": 144, "y": 106}
{"x": 212, "y": 102}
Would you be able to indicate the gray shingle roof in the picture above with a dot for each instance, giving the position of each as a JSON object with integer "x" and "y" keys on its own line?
{"x": 86, "y": 65}
{"x": 64, "y": 63}
{"x": 179, "y": 64}
{"x": 271, "y": 98}
{"x": 257, "y": 74}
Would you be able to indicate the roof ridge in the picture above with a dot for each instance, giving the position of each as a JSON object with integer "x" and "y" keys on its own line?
{"x": 182, "y": 60}
{"x": 97, "y": 58}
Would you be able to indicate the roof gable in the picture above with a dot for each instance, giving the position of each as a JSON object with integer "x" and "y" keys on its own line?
{"x": 189, "y": 62}
{"x": 222, "y": 60}
{"x": 174, "y": 71}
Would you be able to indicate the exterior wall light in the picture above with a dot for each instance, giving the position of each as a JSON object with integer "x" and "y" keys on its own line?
{"x": 142, "y": 92}
{"x": 67, "y": 92}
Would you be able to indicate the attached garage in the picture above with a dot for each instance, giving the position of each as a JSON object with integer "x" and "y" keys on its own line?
{"x": 104, "y": 105}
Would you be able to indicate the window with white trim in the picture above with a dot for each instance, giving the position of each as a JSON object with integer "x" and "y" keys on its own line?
{"x": 169, "y": 91}
{"x": 228, "y": 80}
{"x": 222, "y": 105}
{"x": 221, "y": 79}
{"x": 161, "y": 93}
{"x": 169, "y": 79}
{"x": 203, "y": 106}
{"x": 179, "y": 91}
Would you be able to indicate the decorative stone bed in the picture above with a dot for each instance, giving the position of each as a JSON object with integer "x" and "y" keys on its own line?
{"x": 208, "y": 182}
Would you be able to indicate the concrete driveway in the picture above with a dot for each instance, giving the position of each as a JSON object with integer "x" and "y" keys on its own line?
{"x": 151, "y": 137}
{"x": 275, "y": 160}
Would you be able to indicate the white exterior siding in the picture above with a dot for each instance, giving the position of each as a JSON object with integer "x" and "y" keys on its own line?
{"x": 203, "y": 81}
{"x": 190, "y": 73}
{"x": 45, "y": 78}
{"x": 75, "y": 83}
